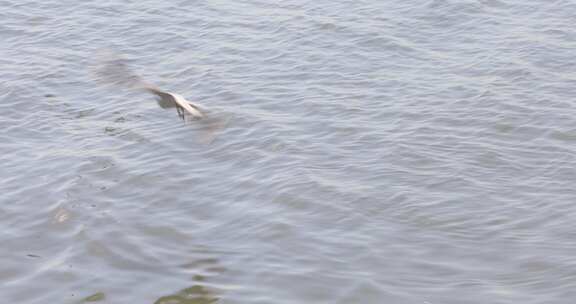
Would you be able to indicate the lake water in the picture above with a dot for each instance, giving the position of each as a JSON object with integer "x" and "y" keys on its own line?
{"x": 402, "y": 152}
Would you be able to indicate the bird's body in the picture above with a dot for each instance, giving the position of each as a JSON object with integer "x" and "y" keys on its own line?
{"x": 185, "y": 105}
{"x": 173, "y": 100}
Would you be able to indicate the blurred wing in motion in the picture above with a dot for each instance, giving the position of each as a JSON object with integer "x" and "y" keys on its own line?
{"x": 113, "y": 69}
{"x": 164, "y": 100}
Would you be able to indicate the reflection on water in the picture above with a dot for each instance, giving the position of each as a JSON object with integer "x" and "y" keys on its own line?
{"x": 196, "y": 294}
{"x": 97, "y": 297}
{"x": 199, "y": 292}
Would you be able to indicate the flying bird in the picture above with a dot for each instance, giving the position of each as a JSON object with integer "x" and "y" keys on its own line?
{"x": 114, "y": 70}
{"x": 173, "y": 100}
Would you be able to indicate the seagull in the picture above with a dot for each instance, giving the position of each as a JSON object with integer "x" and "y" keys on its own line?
{"x": 173, "y": 100}
{"x": 115, "y": 70}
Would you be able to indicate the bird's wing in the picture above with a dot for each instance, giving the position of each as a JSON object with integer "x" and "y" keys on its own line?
{"x": 165, "y": 100}
{"x": 184, "y": 104}
{"x": 171, "y": 100}
{"x": 113, "y": 69}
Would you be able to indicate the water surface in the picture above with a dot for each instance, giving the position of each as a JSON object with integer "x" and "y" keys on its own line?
{"x": 378, "y": 152}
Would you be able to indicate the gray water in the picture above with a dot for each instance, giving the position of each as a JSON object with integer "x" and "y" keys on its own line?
{"x": 378, "y": 151}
